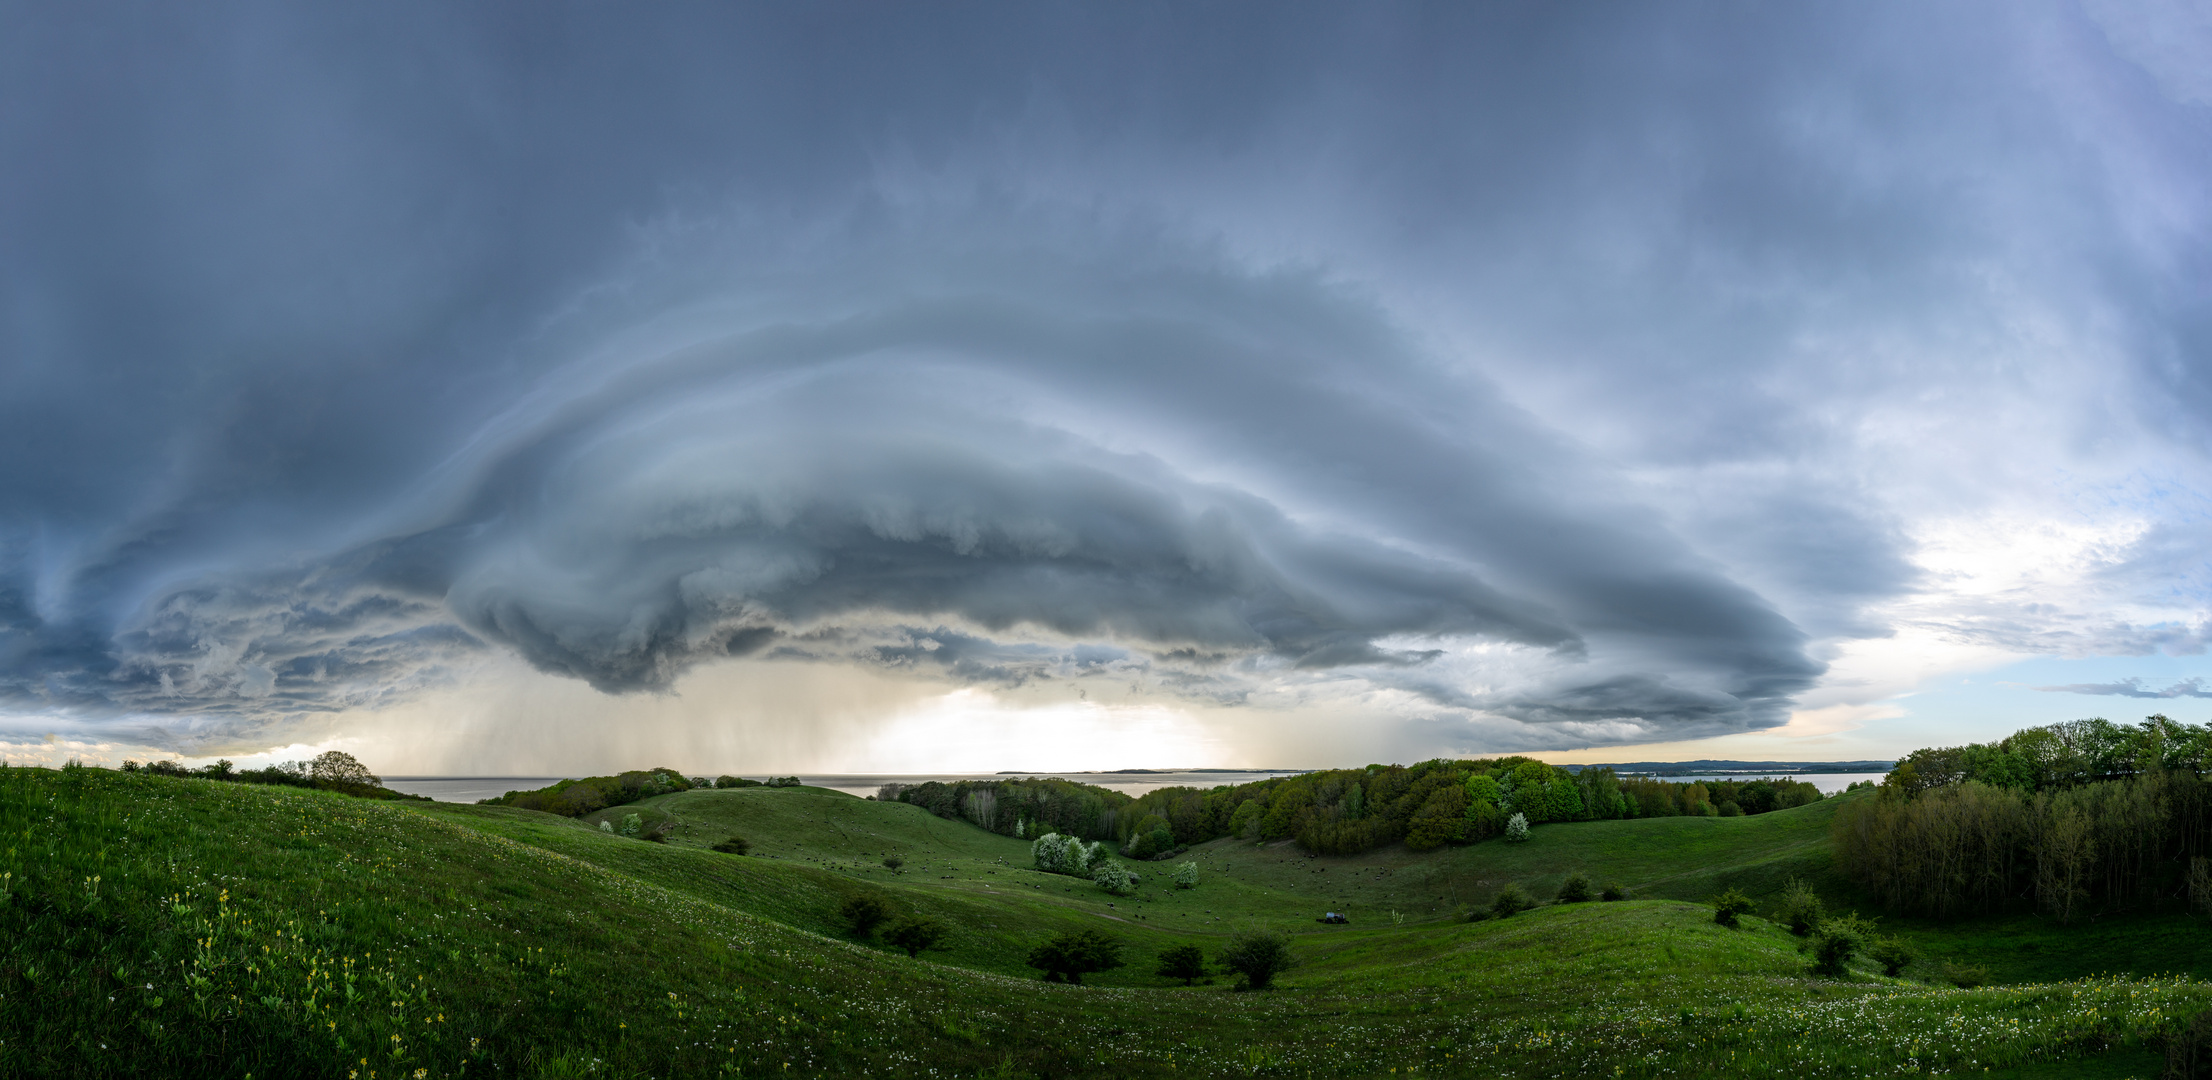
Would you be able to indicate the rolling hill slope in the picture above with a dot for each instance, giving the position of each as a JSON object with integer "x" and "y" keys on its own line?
{"x": 184, "y": 927}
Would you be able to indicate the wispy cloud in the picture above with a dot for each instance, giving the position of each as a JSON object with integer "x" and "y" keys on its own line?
{"x": 2134, "y": 688}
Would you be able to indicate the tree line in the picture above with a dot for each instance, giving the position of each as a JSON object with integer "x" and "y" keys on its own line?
{"x": 1022, "y": 808}
{"x": 2072, "y": 819}
{"x": 1342, "y": 811}
{"x": 332, "y": 770}
{"x": 575, "y": 798}
{"x": 1428, "y": 804}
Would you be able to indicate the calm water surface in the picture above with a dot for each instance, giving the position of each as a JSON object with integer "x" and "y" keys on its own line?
{"x": 468, "y": 789}
{"x": 1828, "y": 783}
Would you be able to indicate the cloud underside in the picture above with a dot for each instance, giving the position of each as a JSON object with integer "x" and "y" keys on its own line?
{"x": 1224, "y": 486}
{"x": 1496, "y": 374}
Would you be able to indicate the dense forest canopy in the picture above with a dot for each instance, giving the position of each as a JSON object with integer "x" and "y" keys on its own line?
{"x": 2060, "y": 756}
{"x": 1021, "y": 808}
{"x": 2073, "y": 819}
{"x": 1344, "y": 811}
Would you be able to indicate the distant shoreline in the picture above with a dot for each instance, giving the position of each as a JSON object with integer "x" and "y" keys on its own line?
{"x": 1646, "y": 768}
{"x": 1740, "y": 768}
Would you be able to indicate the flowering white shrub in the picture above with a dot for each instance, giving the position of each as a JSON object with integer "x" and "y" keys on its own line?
{"x": 1058, "y": 853}
{"x": 1115, "y": 878}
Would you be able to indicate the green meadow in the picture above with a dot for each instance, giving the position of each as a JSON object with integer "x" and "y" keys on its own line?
{"x": 159, "y": 926}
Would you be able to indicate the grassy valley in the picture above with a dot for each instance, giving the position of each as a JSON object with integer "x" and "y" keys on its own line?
{"x": 158, "y": 925}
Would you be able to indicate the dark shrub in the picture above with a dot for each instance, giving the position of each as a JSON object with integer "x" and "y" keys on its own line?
{"x": 893, "y": 861}
{"x": 736, "y": 845}
{"x": 914, "y": 933}
{"x": 1892, "y": 953}
{"x": 863, "y": 913}
{"x": 1729, "y": 809}
{"x": 1728, "y": 906}
{"x": 1574, "y": 890}
{"x": 1839, "y": 938}
{"x": 1510, "y": 901}
{"x": 1073, "y": 955}
{"x": 1257, "y": 955}
{"x": 1185, "y": 962}
{"x": 1152, "y": 843}
{"x": 734, "y": 782}
{"x": 1801, "y": 908}
{"x": 1963, "y": 976}
{"x": 1613, "y": 892}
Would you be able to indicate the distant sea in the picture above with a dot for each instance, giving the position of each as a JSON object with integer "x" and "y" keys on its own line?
{"x": 1828, "y": 783}
{"x": 468, "y": 789}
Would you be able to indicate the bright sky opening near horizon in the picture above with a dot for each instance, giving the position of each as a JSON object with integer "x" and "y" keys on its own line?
{"x": 526, "y": 387}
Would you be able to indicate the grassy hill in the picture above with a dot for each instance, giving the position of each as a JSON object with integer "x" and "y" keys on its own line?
{"x": 184, "y": 927}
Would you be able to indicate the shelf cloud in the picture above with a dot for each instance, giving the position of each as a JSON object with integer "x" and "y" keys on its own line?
{"x": 1489, "y": 379}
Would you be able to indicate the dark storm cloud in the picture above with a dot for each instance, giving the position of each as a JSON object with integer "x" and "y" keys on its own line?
{"x": 346, "y": 346}
{"x": 738, "y": 482}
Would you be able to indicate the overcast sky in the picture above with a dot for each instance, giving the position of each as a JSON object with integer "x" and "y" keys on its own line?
{"x": 550, "y": 387}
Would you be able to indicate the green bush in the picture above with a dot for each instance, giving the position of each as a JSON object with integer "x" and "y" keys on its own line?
{"x": 1259, "y": 956}
{"x": 1892, "y": 953}
{"x": 1613, "y": 892}
{"x": 1801, "y": 908}
{"x": 1839, "y": 938}
{"x": 632, "y": 825}
{"x": 1185, "y": 962}
{"x": 863, "y": 912}
{"x": 1728, "y": 809}
{"x": 1186, "y": 875}
{"x": 1510, "y": 901}
{"x": 1574, "y": 890}
{"x": 1729, "y": 906}
{"x": 914, "y": 933}
{"x": 893, "y": 862}
{"x": 1156, "y": 841}
{"x": 736, "y": 845}
{"x": 1072, "y": 955}
{"x": 1963, "y": 976}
